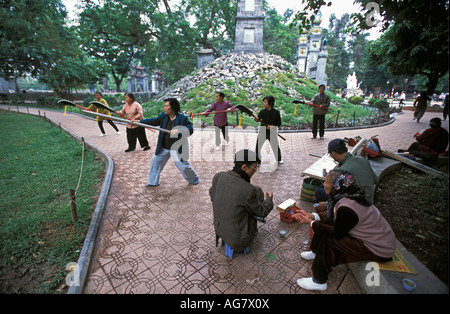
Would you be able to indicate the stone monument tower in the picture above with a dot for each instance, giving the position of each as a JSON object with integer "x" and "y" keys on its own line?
{"x": 249, "y": 27}
{"x": 312, "y": 52}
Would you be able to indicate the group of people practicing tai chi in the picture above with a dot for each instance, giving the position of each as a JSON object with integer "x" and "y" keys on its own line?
{"x": 347, "y": 226}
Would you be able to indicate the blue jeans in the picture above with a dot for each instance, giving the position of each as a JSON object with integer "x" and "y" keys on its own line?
{"x": 158, "y": 162}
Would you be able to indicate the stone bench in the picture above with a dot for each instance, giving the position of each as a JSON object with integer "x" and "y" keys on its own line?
{"x": 391, "y": 281}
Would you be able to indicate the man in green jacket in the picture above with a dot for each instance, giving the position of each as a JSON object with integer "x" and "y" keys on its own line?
{"x": 323, "y": 101}
{"x": 356, "y": 165}
{"x": 237, "y": 203}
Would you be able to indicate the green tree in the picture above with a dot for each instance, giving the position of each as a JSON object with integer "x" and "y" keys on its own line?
{"x": 25, "y": 29}
{"x": 35, "y": 40}
{"x": 338, "y": 63}
{"x": 174, "y": 52}
{"x": 279, "y": 38}
{"x": 214, "y": 23}
{"x": 114, "y": 30}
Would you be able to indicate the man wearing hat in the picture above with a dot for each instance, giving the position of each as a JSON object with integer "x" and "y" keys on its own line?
{"x": 356, "y": 165}
{"x": 237, "y": 203}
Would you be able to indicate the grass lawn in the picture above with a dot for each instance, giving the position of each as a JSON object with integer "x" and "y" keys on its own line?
{"x": 39, "y": 166}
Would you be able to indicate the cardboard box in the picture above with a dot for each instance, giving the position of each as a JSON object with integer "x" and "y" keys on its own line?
{"x": 283, "y": 207}
{"x": 289, "y": 213}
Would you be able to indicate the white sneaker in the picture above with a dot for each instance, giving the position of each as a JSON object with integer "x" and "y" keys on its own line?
{"x": 101, "y": 135}
{"x": 308, "y": 255}
{"x": 118, "y": 133}
{"x": 217, "y": 147}
{"x": 227, "y": 143}
{"x": 309, "y": 284}
{"x": 281, "y": 162}
{"x": 321, "y": 137}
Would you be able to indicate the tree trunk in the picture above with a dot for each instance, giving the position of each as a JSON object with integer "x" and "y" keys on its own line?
{"x": 117, "y": 81}
{"x": 433, "y": 80}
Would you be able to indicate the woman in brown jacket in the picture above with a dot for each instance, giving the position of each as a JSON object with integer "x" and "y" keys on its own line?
{"x": 236, "y": 202}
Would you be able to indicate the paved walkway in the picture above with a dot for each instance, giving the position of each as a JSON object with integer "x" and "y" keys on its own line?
{"x": 161, "y": 240}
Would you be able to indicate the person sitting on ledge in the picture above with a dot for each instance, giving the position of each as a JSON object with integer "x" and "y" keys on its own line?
{"x": 359, "y": 233}
{"x": 433, "y": 140}
{"x": 430, "y": 143}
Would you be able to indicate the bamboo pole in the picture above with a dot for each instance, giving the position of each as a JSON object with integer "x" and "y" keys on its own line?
{"x": 127, "y": 121}
{"x": 73, "y": 206}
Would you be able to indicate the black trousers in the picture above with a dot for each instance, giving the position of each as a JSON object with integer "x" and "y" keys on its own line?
{"x": 100, "y": 125}
{"x": 134, "y": 134}
{"x": 224, "y": 130}
{"x": 331, "y": 252}
{"x": 318, "y": 119}
{"x": 273, "y": 144}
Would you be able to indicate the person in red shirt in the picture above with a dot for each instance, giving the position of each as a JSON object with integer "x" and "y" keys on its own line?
{"x": 433, "y": 140}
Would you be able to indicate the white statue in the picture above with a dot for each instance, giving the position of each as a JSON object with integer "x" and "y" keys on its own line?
{"x": 352, "y": 82}
{"x": 352, "y": 85}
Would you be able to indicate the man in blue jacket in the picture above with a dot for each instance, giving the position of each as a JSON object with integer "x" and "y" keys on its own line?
{"x": 173, "y": 145}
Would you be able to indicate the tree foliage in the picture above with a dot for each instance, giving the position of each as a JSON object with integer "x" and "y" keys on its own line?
{"x": 112, "y": 31}
{"x": 28, "y": 32}
{"x": 34, "y": 39}
{"x": 214, "y": 23}
{"x": 416, "y": 42}
{"x": 339, "y": 57}
{"x": 279, "y": 38}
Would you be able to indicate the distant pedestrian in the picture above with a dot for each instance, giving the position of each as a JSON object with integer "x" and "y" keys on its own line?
{"x": 323, "y": 101}
{"x": 446, "y": 107}
{"x": 421, "y": 108}
{"x": 402, "y": 100}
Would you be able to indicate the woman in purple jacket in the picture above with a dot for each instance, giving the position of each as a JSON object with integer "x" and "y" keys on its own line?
{"x": 221, "y": 118}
